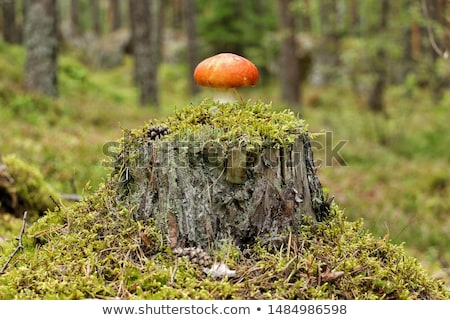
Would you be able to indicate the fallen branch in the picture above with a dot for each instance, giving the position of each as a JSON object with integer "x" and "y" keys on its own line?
{"x": 19, "y": 245}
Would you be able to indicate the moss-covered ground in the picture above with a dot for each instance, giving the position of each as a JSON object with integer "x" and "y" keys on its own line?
{"x": 94, "y": 249}
{"x": 394, "y": 189}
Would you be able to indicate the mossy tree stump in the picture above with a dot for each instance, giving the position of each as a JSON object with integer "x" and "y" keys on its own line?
{"x": 204, "y": 183}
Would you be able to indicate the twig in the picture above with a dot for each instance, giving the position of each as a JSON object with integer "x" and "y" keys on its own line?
{"x": 55, "y": 203}
{"x": 19, "y": 245}
{"x": 442, "y": 53}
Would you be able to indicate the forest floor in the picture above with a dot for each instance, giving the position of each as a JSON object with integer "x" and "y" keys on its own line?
{"x": 390, "y": 170}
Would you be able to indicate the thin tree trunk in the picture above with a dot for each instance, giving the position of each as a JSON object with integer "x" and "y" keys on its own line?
{"x": 10, "y": 30}
{"x": 376, "y": 98}
{"x": 115, "y": 16}
{"x": 96, "y": 16}
{"x": 145, "y": 56}
{"x": 177, "y": 13}
{"x": 306, "y": 24}
{"x": 439, "y": 47}
{"x": 416, "y": 46}
{"x": 289, "y": 66}
{"x": 192, "y": 46}
{"x": 354, "y": 17}
{"x": 157, "y": 28}
{"x": 327, "y": 58}
{"x": 75, "y": 17}
{"x": 41, "y": 47}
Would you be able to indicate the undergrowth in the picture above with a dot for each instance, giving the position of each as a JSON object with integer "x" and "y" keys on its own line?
{"x": 396, "y": 180}
{"x": 95, "y": 249}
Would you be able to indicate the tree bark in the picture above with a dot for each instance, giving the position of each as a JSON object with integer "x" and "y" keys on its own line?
{"x": 145, "y": 55}
{"x": 439, "y": 46}
{"x": 416, "y": 46}
{"x": 376, "y": 98}
{"x": 354, "y": 17}
{"x": 190, "y": 12}
{"x": 96, "y": 16}
{"x": 327, "y": 58}
{"x": 157, "y": 29}
{"x": 41, "y": 42}
{"x": 115, "y": 16}
{"x": 198, "y": 196}
{"x": 10, "y": 30}
{"x": 75, "y": 17}
{"x": 177, "y": 14}
{"x": 289, "y": 67}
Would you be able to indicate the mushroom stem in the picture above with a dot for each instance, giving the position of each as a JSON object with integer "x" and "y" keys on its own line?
{"x": 239, "y": 96}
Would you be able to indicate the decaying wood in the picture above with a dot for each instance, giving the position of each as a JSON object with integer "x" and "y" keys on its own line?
{"x": 201, "y": 196}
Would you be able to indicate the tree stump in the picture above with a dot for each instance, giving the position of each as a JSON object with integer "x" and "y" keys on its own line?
{"x": 201, "y": 192}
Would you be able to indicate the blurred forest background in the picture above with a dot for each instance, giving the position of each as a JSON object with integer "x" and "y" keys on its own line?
{"x": 370, "y": 77}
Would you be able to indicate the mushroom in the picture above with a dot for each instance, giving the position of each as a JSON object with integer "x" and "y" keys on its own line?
{"x": 226, "y": 70}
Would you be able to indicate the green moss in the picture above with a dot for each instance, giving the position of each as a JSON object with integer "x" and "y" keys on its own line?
{"x": 95, "y": 249}
{"x": 9, "y": 227}
{"x": 252, "y": 126}
{"x": 33, "y": 193}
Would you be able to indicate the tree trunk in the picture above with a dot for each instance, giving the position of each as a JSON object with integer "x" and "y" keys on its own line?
{"x": 198, "y": 196}
{"x": 354, "y": 17}
{"x": 157, "y": 29}
{"x": 96, "y": 16}
{"x": 190, "y": 12}
{"x": 145, "y": 55}
{"x": 75, "y": 17}
{"x": 177, "y": 14}
{"x": 289, "y": 67}
{"x": 305, "y": 23}
{"x": 10, "y": 32}
{"x": 434, "y": 12}
{"x": 416, "y": 46}
{"x": 376, "y": 98}
{"x": 115, "y": 16}
{"x": 41, "y": 47}
{"x": 327, "y": 58}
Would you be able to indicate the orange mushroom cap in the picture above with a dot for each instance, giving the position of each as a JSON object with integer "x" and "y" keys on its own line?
{"x": 226, "y": 70}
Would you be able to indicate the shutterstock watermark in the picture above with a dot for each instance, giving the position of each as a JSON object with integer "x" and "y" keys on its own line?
{"x": 331, "y": 151}
{"x": 216, "y": 154}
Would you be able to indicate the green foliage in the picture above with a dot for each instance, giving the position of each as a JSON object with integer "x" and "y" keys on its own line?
{"x": 12, "y": 57}
{"x": 237, "y": 26}
{"x": 9, "y": 228}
